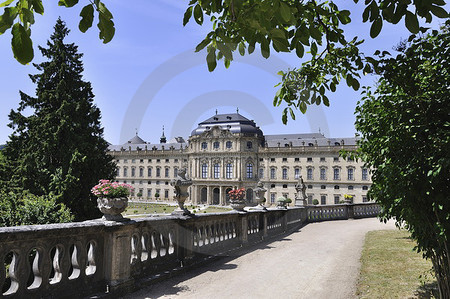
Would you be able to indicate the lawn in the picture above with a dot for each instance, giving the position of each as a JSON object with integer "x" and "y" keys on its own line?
{"x": 152, "y": 208}
{"x": 391, "y": 269}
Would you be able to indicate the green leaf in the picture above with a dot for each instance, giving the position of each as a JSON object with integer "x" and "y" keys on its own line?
{"x": 285, "y": 11}
{"x": 315, "y": 33}
{"x": 187, "y": 15}
{"x": 439, "y": 11}
{"x": 7, "y": 19}
{"x": 211, "y": 59}
{"x": 242, "y": 48}
{"x": 326, "y": 101}
{"x": 313, "y": 49}
{"x": 292, "y": 113}
{"x": 355, "y": 84}
{"x": 67, "y": 3}
{"x": 21, "y": 43}
{"x": 303, "y": 107}
{"x": 299, "y": 50}
{"x": 344, "y": 16}
{"x": 38, "y": 7}
{"x": 87, "y": 17}
{"x": 411, "y": 22}
{"x": 27, "y": 16}
{"x": 376, "y": 27}
{"x": 265, "y": 50}
{"x": 284, "y": 116}
{"x": 198, "y": 14}
{"x": 6, "y": 3}
{"x": 202, "y": 44}
{"x": 106, "y": 27}
{"x": 225, "y": 51}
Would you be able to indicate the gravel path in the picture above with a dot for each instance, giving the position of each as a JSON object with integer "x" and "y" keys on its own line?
{"x": 319, "y": 261}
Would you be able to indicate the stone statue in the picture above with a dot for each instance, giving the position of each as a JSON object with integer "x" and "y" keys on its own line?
{"x": 259, "y": 194}
{"x": 181, "y": 185}
{"x": 300, "y": 196}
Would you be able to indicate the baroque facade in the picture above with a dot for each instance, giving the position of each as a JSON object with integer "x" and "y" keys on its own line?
{"x": 229, "y": 151}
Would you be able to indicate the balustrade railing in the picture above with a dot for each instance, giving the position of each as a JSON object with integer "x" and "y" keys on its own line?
{"x": 77, "y": 259}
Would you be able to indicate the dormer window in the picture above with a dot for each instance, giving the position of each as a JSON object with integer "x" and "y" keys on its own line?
{"x": 310, "y": 144}
{"x": 249, "y": 144}
{"x": 216, "y": 145}
{"x": 229, "y": 117}
{"x": 216, "y": 118}
{"x": 204, "y": 145}
{"x": 229, "y": 144}
{"x": 337, "y": 144}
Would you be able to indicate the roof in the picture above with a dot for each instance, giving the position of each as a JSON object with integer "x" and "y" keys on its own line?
{"x": 308, "y": 139}
{"x": 234, "y": 122}
{"x": 136, "y": 140}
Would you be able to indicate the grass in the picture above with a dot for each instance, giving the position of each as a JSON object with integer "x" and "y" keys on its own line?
{"x": 152, "y": 208}
{"x": 391, "y": 269}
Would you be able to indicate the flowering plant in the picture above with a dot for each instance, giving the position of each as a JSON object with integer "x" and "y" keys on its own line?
{"x": 236, "y": 194}
{"x": 347, "y": 196}
{"x": 108, "y": 189}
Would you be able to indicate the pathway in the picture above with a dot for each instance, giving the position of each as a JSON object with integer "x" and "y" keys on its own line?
{"x": 319, "y": 261}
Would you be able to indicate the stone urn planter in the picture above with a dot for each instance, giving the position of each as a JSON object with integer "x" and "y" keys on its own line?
{"x": 112, "y": 207}
{"x": 181, "y": 184}
{"x": 237, "y": 204}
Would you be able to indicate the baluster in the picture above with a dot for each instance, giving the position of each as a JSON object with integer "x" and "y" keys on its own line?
{"x": 144, "y": 245}
{"x": 90, "y": 265}
{"x": 56, "y": 254}
{"x": 75, "y": 269}
{"x": 154, "y": 252}
{"x": 11, "y": 284}
{"x": 171, "y": 246}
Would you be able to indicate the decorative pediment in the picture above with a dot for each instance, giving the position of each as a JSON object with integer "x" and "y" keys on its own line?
{"x": 217, "y": 132}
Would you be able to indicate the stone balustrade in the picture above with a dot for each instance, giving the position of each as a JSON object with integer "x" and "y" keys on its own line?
{"x": 73, "y": 260}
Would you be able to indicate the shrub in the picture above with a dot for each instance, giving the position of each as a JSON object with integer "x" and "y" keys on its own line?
{"x": 315, "y": 202}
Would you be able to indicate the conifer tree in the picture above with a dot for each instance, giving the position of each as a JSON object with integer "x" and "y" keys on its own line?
{"x": 59, "y": 149}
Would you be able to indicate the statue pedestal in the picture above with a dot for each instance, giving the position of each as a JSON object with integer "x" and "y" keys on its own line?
{"x": 181, "y": 212}
{"x": 300, "y": 203}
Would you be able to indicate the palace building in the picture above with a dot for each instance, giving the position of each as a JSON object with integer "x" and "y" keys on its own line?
{"x": 229, "y": 151}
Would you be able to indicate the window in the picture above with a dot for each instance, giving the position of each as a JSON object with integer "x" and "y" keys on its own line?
{"x": 285, "y": 173}
{"x": 336, "y": 187}
{"x": 272, "y": 186}
{"x": 310, "y": 186}
{"x": 261, "y": 173}
{"x": 297, "y": 173}
{"x": 216, "y": 145}
{"x": 364, "y": 176}
{"x": 125, "y": 160}
{"x": 336, "y": 174}
{"x": 175, "y": 172}
{"x": 149, "y": 172}
{"x": 133, "y": 160}
{"x": 336, "y": 159}
{"x": 350, "y": 159}
{"x": 365, "y": 199}
{"x": 150, "y": 160}
{"x": 249, "y": 170}
{"x": 350, "y": 173}
{"x": 158, "y": 172}
{"x": 336, "y": 199}
{"x": 125, "y": 171}
{"x": 261, "y": 159}
{"x": 204, "y": 171}
{"x": 272, "y": 197}
{"x": 323, "y": 200}
{"x": 149, "y": 182}
{"x": 229, "y": 171}
{"x": 323, "y": 187}
{"x": 284, "y": 159}
{"x": 285, "y": 186}
{"x": 323, "y": 174}
{"x": 309, "y": 159}
{"x": 309, "y": 173}
{"x": 149, "y": 193}
{"x": 167, "y": 160}
{"x": 297, "y": 159}
{"x": 158, "y": 160}
{"x": 204, "y": 145}
{"x": 272, "y": 159}
{"x": 133, "y": 171}
{"x": 229, "y": 144}
{"x": 118, "y": 171}
{"x": 166, "y": 193}
{"x": 157, "y": 183}
{"x": 365, "y": 188}
{"x": 249, "y": 144}
{"x": 350, "y": 187}
{"x": 272, "y": 173}
{"x": 309, "y": 199}
{"x": 216, "y": 170}
{"x": 175, "y": 160}
{"x": 141, "y": 172}
{"x": 166, "y": 172}
{"x": 322, "y": 159}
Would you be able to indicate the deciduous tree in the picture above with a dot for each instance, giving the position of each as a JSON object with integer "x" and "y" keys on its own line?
{"x": 405, "y": 139}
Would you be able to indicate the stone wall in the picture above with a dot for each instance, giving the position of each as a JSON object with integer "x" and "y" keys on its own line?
{"x": 108, "y": 258}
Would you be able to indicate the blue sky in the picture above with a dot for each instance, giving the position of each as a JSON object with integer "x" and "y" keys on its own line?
{"x": 148, "y": 76}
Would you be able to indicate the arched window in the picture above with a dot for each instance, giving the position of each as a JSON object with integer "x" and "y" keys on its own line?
{"x": 149, "y": 172}
{"x": 249, "y": 144}
{"x": 166, "y": 172}
{"x": 141, "y": 172}
{"x": 285, "y": 174}
{"x": 158, "y": 172}
{"x": 309, "y": 173}
{"x": 216, "y": 145}
{"x": 133, "y": 171}
{"x": 118, "y": 171}
{"x": 323, "y": 174}
{"x": 125, "y": 171}
{"x": 272, "y": 173}
{"x": 350, "y": 174}
{"x": 229, "y": 144}
{"x": 175, "y": 172}
{"x": 204, "y": 145}
{"x": 249, "y": 170}
{"x": 249, "y": 195}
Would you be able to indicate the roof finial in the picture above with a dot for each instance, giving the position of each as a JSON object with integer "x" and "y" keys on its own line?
{"x": 216, "y": 111}
{"x": 163, "y": 138}
{"x": 163, "y": 131}
{"x": 237, "y": 110}
{"x": 319, "y": 130}
{"x": 136, "y": 131}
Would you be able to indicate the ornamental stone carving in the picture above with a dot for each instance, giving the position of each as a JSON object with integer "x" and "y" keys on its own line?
{"x": 181, "y": 185}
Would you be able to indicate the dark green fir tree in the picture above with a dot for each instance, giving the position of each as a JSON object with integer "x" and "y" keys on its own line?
{"x": 59, "y": 149}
